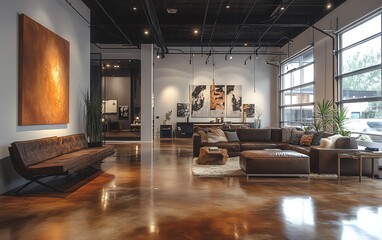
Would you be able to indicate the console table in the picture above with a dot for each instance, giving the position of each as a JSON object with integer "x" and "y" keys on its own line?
{"x": 359, "y": 156}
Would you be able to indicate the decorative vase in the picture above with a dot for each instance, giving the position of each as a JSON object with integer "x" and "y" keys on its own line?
{"x": 257, "y": 123}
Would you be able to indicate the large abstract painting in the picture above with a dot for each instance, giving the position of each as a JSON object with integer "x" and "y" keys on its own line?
{"x": 217, "y": 103}
{"x": 200, "y": 100}
{"x": 234, "y": 101}
{"x": 43, "y": 75}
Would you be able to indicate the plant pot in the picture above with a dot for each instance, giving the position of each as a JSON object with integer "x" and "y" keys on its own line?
{"x": 94, "y": 144}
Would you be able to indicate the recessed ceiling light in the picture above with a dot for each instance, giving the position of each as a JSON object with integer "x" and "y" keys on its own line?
{"x": 282, "y": 8}
{"x": 135, "y": 8}
{"x": 172, "y": 10}
{"x": 329, "y": 5}
{"x": 227, "y": 6}
{"x": 107, "y": 65}
{"x": 245, "y": 44}
{"x": 196, "y": 31}
{"x": 146, "y": 32}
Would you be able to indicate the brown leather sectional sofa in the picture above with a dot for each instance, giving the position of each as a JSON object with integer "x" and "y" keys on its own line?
{"x": 322, "y": 160}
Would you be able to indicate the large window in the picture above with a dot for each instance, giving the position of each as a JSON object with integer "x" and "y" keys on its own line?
{"x": 297, "y": 90}
{"x": 360, "y": 77}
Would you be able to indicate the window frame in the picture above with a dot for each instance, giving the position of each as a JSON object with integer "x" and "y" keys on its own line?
{"x": 302, "y": 84}
{"x": 359, "y": 71}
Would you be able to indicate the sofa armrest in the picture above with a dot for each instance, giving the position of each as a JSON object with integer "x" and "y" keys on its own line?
{"x": 196, "y": 143}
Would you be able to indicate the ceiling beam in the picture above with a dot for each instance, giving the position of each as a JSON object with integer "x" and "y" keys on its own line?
{"x": 154, "y": 25}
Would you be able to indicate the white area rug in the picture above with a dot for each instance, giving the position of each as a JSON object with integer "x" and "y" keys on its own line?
{"x": 232, "y": 169}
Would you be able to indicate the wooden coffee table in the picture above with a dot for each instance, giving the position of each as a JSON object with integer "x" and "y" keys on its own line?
{"x": 207, "y": 157}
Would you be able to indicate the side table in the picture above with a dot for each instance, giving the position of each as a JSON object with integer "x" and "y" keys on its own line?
{"x": 359, "y": 156}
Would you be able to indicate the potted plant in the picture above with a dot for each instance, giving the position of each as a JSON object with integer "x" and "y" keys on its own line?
{"x": 93, "y": 118}
{"x": 167, "y": 117}
{"x": 325, "y": 114}
{"x": 258, "y": 113}
{"x": 339, "y": 120}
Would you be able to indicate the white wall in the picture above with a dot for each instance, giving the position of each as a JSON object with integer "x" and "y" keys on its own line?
{"x": 173, "y": 75}
{"x": 60, "y": 18}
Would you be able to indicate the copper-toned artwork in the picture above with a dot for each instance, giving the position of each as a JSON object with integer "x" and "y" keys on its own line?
{"x": 43, "y": 75}
{"x": 217, "y": 102}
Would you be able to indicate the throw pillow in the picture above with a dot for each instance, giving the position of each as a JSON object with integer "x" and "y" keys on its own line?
{"x": 325, "y": 143}
{"x": 346, "y": 143}
{"x": 203, "y": 136}
{"x": 306, "y": 139}
{"x": 286, "y": 134}
{"x": 215, "y": 135}
{"x": 334, "y": 139}
{"x": 232, "y": 136}
{"x": 316, "y": 138}
{"x": 295, "y": 138}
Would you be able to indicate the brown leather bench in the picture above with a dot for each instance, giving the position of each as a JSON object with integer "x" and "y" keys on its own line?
{"x": 274, "y": 163}
{"x": 39, "y": 158}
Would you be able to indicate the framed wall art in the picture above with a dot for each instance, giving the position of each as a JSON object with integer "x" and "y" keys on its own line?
{"x": 234, "y": 101}
{"x": 200, "y": 101}
{"x": 43, "y": 75}
{"x": 123, "y": 112}
{"x": 182, "y": 110}
{"x": 217, "y": 102}
{"x": 249, "y": 110}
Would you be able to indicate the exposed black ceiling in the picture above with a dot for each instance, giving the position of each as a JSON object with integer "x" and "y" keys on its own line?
{"x": 251, "y": 22}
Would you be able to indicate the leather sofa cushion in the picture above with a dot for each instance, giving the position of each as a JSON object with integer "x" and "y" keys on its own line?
{"x": 258, "y": 145}
{"x": 300, "y": 149}
{"x": 32, "y": 152}
{"x": 254, "y": 135}
{"x": 276, "y": 134}
{"x": 346, "y": 143}
{"x": 72, "y": 143}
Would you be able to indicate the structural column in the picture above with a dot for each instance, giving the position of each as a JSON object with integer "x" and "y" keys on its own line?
{"x": 146, "y": 92}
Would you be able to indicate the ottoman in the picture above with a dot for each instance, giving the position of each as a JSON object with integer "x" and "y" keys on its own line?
{"x": 274, "y": 163}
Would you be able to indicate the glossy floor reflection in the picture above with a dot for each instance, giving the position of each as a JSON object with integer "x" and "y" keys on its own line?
{"x": 147, "y": 191}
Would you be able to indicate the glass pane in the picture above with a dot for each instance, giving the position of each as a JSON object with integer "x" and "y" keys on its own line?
{"x": 364, "y": 55}
{"x": 307, "y": 94}
{"x": 296, "y": 96}
{"x": 362, "y": 85}
{"x": 286, "y": 114}
{"x": 364, "y": 117}
{"x": 308, "y": 74}
{"x": 296, "y": 75}
{"x": 307, "y": 114}
{"x": 307, "y": 57}
{"x": 286, "y": 97}
{"x": 365, "y": 30}
{"x": 286, "y": 81}
{"x": 296, "y": 114}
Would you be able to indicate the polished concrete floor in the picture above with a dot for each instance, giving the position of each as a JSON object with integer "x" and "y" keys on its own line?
{"x": 147, "y": 191}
